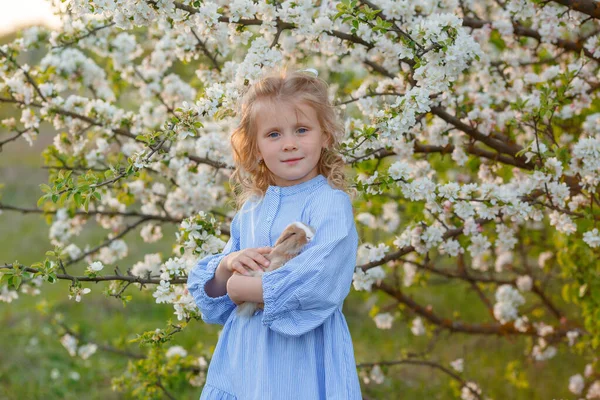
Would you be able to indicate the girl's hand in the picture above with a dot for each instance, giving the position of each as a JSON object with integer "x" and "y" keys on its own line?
{"x": 251, "y": 259}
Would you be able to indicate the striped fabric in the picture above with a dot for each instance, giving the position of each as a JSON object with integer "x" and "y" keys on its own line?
{"x": 299, "y": 347}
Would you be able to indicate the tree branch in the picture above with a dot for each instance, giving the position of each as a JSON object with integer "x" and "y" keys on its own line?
{"x": 428, "y": 363}
{"x": 588, "y": 7}
{"x": 118, "y": 131}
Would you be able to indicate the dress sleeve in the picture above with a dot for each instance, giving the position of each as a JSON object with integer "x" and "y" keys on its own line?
{"x": 215, "y": 310}
{"x": 303, "y": 293}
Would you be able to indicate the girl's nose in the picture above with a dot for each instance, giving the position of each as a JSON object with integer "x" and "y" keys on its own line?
{"x": 290, "y": 144}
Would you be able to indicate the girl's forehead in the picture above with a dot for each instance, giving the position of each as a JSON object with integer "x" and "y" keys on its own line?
{"x": 283, "y": 109}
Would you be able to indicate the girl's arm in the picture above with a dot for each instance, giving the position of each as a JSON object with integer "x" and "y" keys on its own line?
{"x": 245, "y": 288}
{"x": 217, "y": 286}
{"x": 214, "y": 309}
{"x": 234, "y": 263}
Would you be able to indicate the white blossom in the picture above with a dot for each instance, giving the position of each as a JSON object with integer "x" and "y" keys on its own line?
{"x": 451, "y": 247}
{"x": 588, "y": 370}
{"x": 7, "y": 295}
{"x": 399, "y": 170}
{"x": 543, "y": 258}
{"x": 151, "y": 233}
{"x": 164, "y": 293}
{"x": 576, "y": 384}
{"x": 70, "y": 343}
{"x": 73, "y": 251}
{"x": 364, "y": 280}
{"x": 417, "y": 327}
{"x": 524, "y": 283}
{"x": 96, "y": 266}
{"x": 78, "y": 292}
{"x": 458, "y": 364}
{"x": 594, "y": 391}
{"x": 74, "y": 375}
{"x": 562, "y": 222}
{"x": 479, "y": 244}
{"x": 507, "y": 301}
{"x": 378, "y": 253}
{"x": 540, "y": 354}
{"x": 376, "y": 374}
{"x": 383, "y": 320}
{"x": 87, "y": 350}
{"x": 367, "y": 219}
{"x": 150, "y": 265}
{"x": 572, "y": 336}
{"x": 592, "y": 238}
{"x": 468, "y": 391}
{"x": 176, "y": 351}
{"x": 521, "y": 324}
{"x": 410, "y": 271}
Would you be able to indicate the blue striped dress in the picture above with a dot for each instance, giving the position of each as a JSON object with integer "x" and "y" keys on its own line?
{"x": 299, "y": 346}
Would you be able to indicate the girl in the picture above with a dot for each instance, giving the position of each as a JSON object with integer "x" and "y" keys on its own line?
{"x": 287, "y": 169}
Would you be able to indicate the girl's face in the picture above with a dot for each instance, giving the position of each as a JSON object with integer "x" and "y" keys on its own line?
{"x": 289, "y": 140}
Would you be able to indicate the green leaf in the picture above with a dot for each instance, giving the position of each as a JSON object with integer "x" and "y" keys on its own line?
{"x": 41, "y": 200}
{"x": 16, "y": 281}
{"x": 565, "y": 293}
{"x": 62, "y": 198}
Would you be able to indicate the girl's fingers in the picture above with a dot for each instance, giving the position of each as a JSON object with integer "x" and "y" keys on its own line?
{"x": 262, "y": 260}
{"x": 238, "y": 267}
{"x": 250, "y": 263}
{"x": 252, "y": 259}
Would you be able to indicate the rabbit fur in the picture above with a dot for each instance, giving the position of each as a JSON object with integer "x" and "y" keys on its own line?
{"x": 293, "y": 238}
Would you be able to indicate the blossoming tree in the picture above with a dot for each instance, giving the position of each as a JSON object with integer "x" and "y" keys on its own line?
{"x": 472, "y": 137}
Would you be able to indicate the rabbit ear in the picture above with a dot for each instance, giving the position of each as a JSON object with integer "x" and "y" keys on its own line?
{"x": 309, "y": 231}
{"x": 292, "y": 245}
{"x": 284, "y": 236}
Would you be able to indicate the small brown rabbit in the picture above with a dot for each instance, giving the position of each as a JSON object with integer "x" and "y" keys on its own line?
{"x": 288, "y": 245}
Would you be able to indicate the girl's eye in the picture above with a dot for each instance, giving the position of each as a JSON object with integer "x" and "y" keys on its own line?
{"x": 272, "y": 133}
{"x": 304, "y": 130}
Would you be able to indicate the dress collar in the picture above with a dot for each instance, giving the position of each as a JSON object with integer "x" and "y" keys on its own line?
{"x": 312, "y": 183}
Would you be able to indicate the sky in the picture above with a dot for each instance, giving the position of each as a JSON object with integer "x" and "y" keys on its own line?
{"x": 16, "y": 13}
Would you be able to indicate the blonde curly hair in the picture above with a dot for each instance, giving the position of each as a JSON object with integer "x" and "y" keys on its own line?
{"x": 251, "y": 178}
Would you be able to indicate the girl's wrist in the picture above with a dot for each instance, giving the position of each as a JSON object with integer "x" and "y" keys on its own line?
{"x": 222, "y": 269}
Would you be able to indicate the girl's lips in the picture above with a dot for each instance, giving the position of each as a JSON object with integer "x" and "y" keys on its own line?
{"x": 292, "y": 162}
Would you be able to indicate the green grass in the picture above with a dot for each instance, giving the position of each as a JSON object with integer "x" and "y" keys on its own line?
{"x": 30, "y": 347}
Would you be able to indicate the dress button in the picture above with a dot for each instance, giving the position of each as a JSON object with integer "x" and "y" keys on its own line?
{"x": 269, "y": 219}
